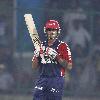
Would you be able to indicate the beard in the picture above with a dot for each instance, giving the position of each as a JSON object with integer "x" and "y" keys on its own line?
{"x": 53, "y": 36}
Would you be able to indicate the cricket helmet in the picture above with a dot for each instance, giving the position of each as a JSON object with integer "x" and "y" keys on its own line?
{"x": 52, "y": 24}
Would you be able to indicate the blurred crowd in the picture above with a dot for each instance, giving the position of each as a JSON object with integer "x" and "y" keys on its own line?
{"x": 81, "y": 21}
{"x": 80, "y": 29}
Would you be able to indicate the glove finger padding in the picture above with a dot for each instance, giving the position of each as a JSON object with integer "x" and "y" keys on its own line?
{"x": 36, "y": 53}
{"x": 39, "y": 51}
{"x": 51, "y": 52}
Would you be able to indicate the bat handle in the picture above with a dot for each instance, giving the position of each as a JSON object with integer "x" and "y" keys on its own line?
{"x": 43, "y": 60}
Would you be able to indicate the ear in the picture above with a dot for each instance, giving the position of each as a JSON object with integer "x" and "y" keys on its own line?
{"x": 44, "y": 30}
{"x": 59, "y": 31}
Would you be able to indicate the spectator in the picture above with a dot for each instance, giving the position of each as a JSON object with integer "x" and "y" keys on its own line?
{"x": 6, "y": 49}
{"x": 87, "y": 80}
{"x": 78, "y": 35}
{"x": 96, "y": 59}
{"x": 97, "y": 65}
{"x": 96, "y": 5}
{"x": 78, "y": 60}
{"x": 6, "y": 80}
{"x": 96, "y": 35}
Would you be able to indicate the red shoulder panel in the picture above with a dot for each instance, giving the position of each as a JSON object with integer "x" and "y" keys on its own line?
{"x": 64, "y": 52}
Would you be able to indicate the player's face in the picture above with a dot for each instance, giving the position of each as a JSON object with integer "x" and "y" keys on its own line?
{"x": 51, "y": 33}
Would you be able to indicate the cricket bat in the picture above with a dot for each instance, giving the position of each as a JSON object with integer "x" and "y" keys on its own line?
{"x": 34, "y": 34}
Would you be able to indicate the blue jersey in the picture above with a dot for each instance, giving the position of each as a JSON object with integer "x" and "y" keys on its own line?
{"x": 50, "y": 84}
{"x": 52, "y": 68}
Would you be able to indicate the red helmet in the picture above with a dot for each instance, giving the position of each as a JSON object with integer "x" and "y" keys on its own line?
{"x": 53, "y": 24}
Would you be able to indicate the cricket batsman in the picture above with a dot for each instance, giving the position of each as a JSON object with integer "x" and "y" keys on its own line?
{"x": 57, "y": 54}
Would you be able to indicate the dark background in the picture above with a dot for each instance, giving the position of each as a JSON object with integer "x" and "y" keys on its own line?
{"x": 16, "y": 48}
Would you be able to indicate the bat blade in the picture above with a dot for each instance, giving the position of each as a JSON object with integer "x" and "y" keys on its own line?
{"x": 33, "y": 33}
{"x": 32, "y": 30}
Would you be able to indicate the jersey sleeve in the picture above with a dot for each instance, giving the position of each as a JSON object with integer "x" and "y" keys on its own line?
{"x": 64, "y": 52}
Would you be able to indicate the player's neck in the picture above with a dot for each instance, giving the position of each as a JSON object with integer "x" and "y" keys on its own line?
{"x": 51, "y": 41}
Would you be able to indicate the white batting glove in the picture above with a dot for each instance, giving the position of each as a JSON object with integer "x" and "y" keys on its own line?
{"x": 51, "y": 52}
{"x": 36, "y": 53}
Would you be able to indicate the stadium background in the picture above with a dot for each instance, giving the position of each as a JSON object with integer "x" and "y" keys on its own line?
{"x": 16, "y": 49}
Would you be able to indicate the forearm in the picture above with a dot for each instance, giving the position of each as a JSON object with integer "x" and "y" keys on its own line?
{"x": 69, "y": 66}
{"x": 62, "y": 62}
{"x": 65, "y": 64}
{"x": 34, "y": 63}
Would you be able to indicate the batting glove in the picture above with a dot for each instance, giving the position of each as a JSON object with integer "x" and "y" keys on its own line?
{"x": 36, "y": 53}
{"x": 51, "y": 52}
